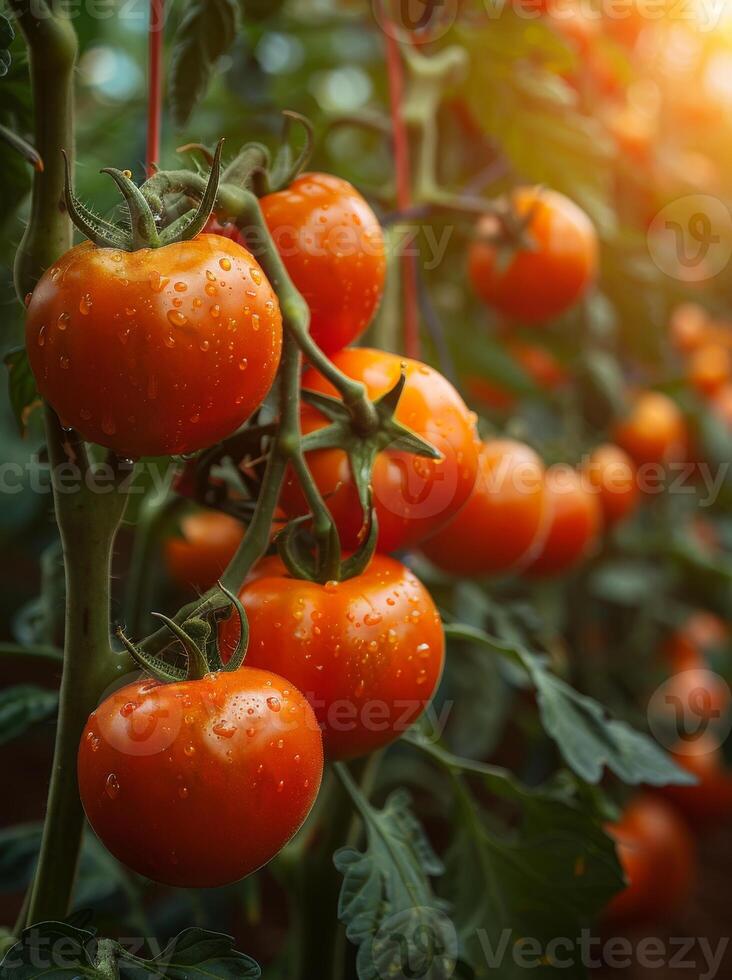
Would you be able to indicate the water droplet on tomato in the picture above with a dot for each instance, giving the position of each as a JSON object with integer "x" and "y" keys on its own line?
{"x": 224, "y": 729}
{"x": 180, "y": 287}
{"x": 215, "y": 311}
{"x": 42, "y": 336}
{"x": 273, "y": 704}
{"x": 190, "y": 750}
{"x": 127, "y": 708}
{"x": 256, "y": 276}
{"x": 63, "y": 320}
{"x": 111, "y": 787}
{"x": 225, "y": 264}
{"x": 183, "y": 792}
{"x": 177, "y": 318}
{"x": 243, "y": 364}
{"x": 85, "y": 304}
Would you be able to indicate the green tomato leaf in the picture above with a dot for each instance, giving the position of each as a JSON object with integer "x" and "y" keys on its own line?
{"x": 24, "y": 396}
{"x": 206, "y": 32}
{"x": 194, "y": 953}
{"x": 586, "y": 736}
{"x": 387, "y": 903}
{"x": 548, "y": 876}
{"x": 22, "y": 706}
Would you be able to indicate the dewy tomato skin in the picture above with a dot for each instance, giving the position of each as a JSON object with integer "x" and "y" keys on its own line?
{"x": 157, "y": 351}
{"x": 505, "y": 520}
{"x": 413, "y": 496}
{"x": 197, "y": 784}
{"x": 574, "y": 522}
{"x": 368, "y": 651}
{"x": 332, "y": 245}
{"x": 543, "y": 282}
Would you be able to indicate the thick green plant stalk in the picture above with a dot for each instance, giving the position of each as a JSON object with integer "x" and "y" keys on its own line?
{"x": 88, "y": 517}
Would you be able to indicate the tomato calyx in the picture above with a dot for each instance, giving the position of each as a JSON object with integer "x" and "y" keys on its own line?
{"x": 295, "y": 548}
{"x": 199, "y": 641}
{"x": 140, "y": 230}
{"x": 507, "y": 231}
{"x": 253, "y": 169}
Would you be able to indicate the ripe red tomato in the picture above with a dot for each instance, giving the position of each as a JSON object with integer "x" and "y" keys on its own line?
{"x": 702, "y": 632}
{"x": 332, "y": 245}
{"x": 611, "y": 472}
{"x": 413, "y": 496}
{"x": 658, "y": 857}
{"x": 574, "y": 522}
{"x": 538, "y": 362}
{"x": 708, "y": 802}
{"x": 709, "y": 368}
{"x": 654, "y": 431}
{"x": 688, "y": 327}
{"x": 199, "y": 783}
{"x": 367, "y": 652}
{"x": 544, "y": 281}
{"x": 207, "y": 544}
{"x": 156, "y": 351}
{"x": 505, "y": 520}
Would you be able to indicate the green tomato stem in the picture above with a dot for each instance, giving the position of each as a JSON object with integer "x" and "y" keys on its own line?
{"x": 88, "y": 520}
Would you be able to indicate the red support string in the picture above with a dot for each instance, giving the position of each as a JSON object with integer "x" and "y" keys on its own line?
{"x": 155, "y": 84}
{"x": 395, "y": 74}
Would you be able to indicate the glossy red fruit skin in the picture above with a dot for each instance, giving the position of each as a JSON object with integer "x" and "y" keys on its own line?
{"x": 208, "y": 542}
{"x": 659, "y": 860}
{"x": 332, "y": 245}
{"x": 158, "y": 351}
{"x": 197, "y": 784}
{"x": 368, "y": 652}
{"x": 543, "y": 282}
{"x": 574, "y": 523}
{"x": 413, "y": 496}
{"x": 505, "y": 520}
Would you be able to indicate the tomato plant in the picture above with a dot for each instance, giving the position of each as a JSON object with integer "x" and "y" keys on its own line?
{"x": 238, "y": 753}
{"x": 349, "y": 679}
{"x": 368, "y": 652}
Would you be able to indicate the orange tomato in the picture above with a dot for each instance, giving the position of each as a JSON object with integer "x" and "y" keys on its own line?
{"x": 332, "y": 245}
{"x": 574, "y": 522}
{"x": 709, "y": 368}
{"x": 367, "y": 652}
{"x": 659, "y": 860}
{"x": 654, "y": 430}
{"x": 540, "y": 282}
{"x": 611, "y": 472}
{"x": 504, "y": 521}
{"x": 413, "y": 496}
{"x": 709, "y": 801}
{"x": 158, "y": 351}
{"x": 205, "y": 547}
